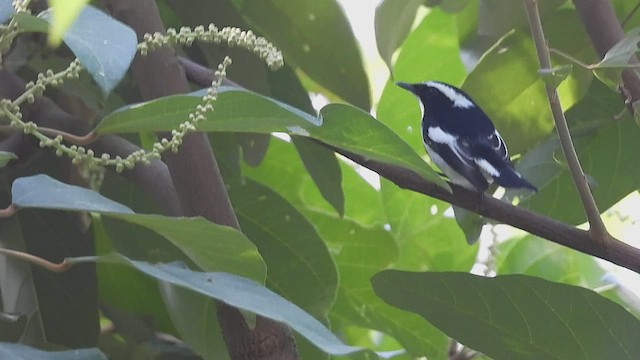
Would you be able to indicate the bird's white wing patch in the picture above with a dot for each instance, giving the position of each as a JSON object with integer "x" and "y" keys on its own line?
{"x": 486, "y": 166}
{"x": 436, "y": 134}
{"x": 459, "y": 100}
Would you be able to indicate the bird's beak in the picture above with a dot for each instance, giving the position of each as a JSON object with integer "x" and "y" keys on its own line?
{"x": 405, "y": 86}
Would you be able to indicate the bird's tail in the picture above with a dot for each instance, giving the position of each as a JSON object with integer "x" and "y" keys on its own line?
{"x": 510, "y": 178}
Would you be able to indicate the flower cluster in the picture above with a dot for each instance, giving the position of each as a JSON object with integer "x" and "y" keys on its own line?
{"x": 231, "y": 36}
{"x": 79, "y": 154}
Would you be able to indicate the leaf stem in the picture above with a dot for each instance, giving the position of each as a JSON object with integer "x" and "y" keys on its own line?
{"x": 597, "y": 228}
{"x": 46, "y": 264}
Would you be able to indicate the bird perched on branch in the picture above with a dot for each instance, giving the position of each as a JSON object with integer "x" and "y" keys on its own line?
{"x": 461, "y": 139}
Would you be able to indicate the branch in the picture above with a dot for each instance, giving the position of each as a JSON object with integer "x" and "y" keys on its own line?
{"x": 596, "y": 225}
{"x": 553, "y": 230}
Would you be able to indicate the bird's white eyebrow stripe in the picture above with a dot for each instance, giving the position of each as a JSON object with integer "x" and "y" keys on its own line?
{"x": 458, "y": 99}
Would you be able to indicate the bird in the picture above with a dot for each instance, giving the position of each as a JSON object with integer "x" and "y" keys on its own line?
{"x": 462, "y": 140}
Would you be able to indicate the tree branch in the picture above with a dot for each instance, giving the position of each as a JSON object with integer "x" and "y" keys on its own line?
{"x": 596, "y": 225}
{"x": 198, "y": 181}
{"x": 545, "y": 227}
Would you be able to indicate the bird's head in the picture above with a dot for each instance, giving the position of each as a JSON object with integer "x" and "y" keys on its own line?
{"x": 437, "y": 95}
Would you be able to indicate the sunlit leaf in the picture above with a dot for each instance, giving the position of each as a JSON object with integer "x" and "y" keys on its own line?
{"x": 104, "y": 45}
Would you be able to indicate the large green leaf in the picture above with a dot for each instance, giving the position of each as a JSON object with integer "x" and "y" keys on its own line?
{"x": 360, "y": 252}
{"x": 393, "y": 22}
{"x": 530, "y": 255}
{"x": 212, "y": 247}
{"x": 300, "y": 267}
{"x": 606, "y": 151}
{"x": 23, "y": 352}
{"x": 515, "y": 316}
{"x": 324, "y": 169}
{"x": 235, "y": 111}
{"x": 311, "y": 34}
{"x": 196, "y": 319}
{"x": 241, "y": 293}
{"x": 517, "y": 106}
{"x": 427, "y": 238}
{"x": 42, "y": 191}
{"x": 342, "y": 126}
{"x": 104, "y": 45}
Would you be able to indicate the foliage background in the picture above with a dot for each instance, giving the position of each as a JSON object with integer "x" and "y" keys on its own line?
{"x": 315, "y": 231}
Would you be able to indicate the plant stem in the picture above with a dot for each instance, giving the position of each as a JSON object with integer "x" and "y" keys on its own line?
{"x": 597, "y": 229}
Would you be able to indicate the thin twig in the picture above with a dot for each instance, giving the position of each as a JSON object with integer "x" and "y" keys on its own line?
{"x": 8, "y": 211}
{"x": 46, "y": 264}
{"x": 597, "y": 229}
{"x": 70, "y": 138}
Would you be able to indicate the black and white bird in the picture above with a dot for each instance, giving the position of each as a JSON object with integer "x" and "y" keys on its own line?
{"x": 461, "y": 139}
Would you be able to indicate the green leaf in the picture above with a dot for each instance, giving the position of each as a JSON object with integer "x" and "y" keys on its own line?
{"x": 361, "y": 251}
{"x": 300, "y": 267}
{"x": 352, "y": 129}
{"x": 515, "y": 316}
{"x": 517, "y": 106}
{"x": 620, "y": 54}
{"x": 241, "y": 293}
{"x": 470, "y": 223}
{"x": 30, "y": 23}
{"x": 612, "y": 167}
{"x": 42, "y": 191}
{"x": 311, "y": 33}
{"x": 342, "y": 126}
{"x": 210, "y": 246}
{"x": 428, "y": 240}
{"x": 104, "y": 45}
{"x": 534, "y": 256}
{"x": 322, "y": 165}
{"x": 555, "y": 75}
{"x": 235, "y": 111}
{"x": 196, "y": 319}
{"x": 23, "y": 352}
{"x": 5, "y": 157}
{"x": 393, "y": 21}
